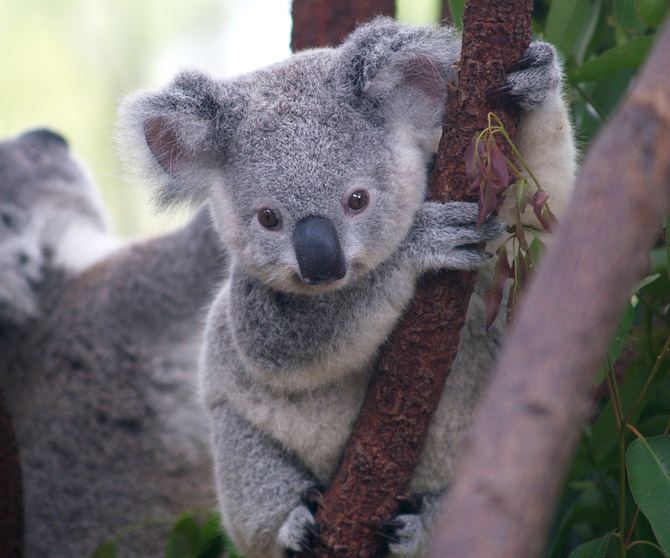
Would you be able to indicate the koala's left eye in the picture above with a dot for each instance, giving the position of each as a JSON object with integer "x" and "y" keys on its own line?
{"x": 358, "y": 200}
{"x": 268, "y": 218}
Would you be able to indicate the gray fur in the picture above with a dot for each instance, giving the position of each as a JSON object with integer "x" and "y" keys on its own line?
{"x": 285, "y": 363}
{"x": 99, "y": 375}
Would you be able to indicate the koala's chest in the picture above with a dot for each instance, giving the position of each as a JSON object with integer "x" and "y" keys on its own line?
{"x": 315, "y": 425}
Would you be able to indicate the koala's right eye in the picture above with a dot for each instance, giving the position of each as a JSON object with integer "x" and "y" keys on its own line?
{"x": 268, "y": 218}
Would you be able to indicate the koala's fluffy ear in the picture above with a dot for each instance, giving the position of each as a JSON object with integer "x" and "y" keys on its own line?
{"x": 399, "y": 70}
{"x": 180, "y": 135}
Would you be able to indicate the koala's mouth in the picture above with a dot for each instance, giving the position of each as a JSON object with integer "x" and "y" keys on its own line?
{"x": 320, "y": 286}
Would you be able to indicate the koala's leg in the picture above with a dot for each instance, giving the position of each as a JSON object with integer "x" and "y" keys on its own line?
{"x": 261, "y": 489}
{"x": 445, "y": 235}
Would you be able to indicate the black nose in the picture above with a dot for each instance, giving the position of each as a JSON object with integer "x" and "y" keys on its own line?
{"x": 45, "y": 136}
{"x": 318, "y": 251}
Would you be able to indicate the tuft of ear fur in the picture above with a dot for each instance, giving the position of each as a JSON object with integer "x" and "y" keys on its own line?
{"x": 398, "y": 69}
{"x": 179, "y": 135}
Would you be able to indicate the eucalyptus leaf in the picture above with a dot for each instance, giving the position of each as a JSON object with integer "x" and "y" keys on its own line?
{"x": 648, "y": 465}
{"x": 652, "y": 12}
{"x": 456, "y": 9}
{"x": 628, "y": 55}
{"x": 105, "y": 550}
{"x": 596, "y": 548}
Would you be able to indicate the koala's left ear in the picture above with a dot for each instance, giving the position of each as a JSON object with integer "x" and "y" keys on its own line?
{"x": 398, "y": 69}
{"x": 179, "y": 135}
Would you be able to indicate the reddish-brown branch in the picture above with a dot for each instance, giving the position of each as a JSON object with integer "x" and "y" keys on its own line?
{"x": 389, "y": 435}
{"x": 11, "y": 503}
{"x": 318, "y": 23}
{"x": 529, "y": 421}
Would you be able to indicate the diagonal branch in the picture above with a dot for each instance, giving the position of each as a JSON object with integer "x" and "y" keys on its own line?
{"x": 389, "y": 435}
{"x": 529, "y": 421}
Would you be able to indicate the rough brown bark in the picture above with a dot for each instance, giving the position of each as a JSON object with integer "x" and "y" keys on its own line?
{"x": 11, "y": 502}
{"x": 389, "y": 435}
{"x": 318, "y": 23}
{"x": 529, "y": 421}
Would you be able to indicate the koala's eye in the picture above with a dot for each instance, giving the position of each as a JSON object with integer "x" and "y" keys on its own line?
{"x": 358, "y": 200}
{"x": 267, "y": 218}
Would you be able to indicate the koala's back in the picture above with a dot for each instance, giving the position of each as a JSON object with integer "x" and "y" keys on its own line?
{"x": 109, "y": 428}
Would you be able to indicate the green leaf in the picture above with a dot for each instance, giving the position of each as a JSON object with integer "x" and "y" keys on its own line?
{"x": 456, "y": 9}
{"x": 105, "y": 550}
{"x": 212, "y": 538}
{"x": 648, "y": 464}
{"x": 652, "y": 12}
{"x": 628, "y": 55}
{"x": 626, "y": 15}
{"x": 184, "y": 539}
{"x": 596, "y": 548}
{"x": 564, "y": 24}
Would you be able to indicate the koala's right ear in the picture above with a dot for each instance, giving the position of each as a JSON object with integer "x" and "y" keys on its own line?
{"x": 180, "y": 135}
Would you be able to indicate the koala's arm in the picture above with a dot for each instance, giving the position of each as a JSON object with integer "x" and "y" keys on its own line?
{"x": 445, "y": 236}
{"x": 259, "y": 485}
{"x": 158, "y": 287}
{"x": 544, "y": 136}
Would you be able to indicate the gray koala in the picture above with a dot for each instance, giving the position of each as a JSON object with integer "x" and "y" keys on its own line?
{"x": 98, "y": 348}
{"x": 316, "y": 172}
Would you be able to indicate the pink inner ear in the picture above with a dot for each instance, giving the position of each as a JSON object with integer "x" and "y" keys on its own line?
{"x": 163, "y": 143}
{"x": 423, "y": 73}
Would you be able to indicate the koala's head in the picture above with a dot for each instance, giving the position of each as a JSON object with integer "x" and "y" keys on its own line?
{"x": 44, "y": 192}
{"x": 314, "y": 167}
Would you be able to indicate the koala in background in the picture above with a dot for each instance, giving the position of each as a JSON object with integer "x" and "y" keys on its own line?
{"x": 98, "y": 350}
{"x": 316, "y": 172}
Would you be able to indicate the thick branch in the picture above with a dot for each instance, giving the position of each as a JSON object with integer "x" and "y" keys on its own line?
{"x": 318, "y": 23}
{"x": 11, "y": 503}
{"x": 389, "y": 435}
{"x": 530, "y": 419}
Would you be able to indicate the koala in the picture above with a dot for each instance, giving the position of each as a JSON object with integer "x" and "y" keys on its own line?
{"x": 316, "y": 171}
{"x": 98, "y": 351}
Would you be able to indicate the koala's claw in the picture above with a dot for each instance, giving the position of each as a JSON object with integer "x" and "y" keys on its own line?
{"x": 404, "y": 535}
{"x": 531, "y": 78}
{"x": 299, "y": 532}
{"x": 410, "y": 503}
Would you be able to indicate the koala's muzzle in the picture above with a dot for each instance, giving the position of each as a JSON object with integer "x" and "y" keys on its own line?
{"x": 318, "y": 251}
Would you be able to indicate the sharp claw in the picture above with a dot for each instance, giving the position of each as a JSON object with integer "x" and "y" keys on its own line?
{"x": 387, "y": 530}
{"x": 410, "y": 503}
{"x": 312, "y": 498}
{"x": 522, "y": 63}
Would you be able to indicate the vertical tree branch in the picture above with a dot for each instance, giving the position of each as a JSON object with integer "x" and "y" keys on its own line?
{"x": 11, "y": 497}
{"x": 319, "y": 23}
{"x": 389, "y": 435}
{"x": 529, "y": 421}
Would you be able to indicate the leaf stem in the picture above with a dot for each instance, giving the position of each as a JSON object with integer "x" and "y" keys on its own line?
{"x": 645, "y": 388}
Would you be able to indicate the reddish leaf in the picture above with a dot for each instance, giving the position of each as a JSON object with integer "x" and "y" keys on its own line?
{"x": 493, "y": 296}
{"x": 498, "y": 173}
{"x": 473, "y": 161}
{"x": 542, "y": 212}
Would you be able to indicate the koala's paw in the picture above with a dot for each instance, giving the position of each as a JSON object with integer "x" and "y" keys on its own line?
{"x": 405, "y": 535}
{"x": 299, "y": 531}
{"x": 532, "y": 78}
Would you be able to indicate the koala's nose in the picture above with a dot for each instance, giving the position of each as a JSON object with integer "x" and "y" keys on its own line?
{"x": 46, "y": 136}
{"x": 318, "y": 251}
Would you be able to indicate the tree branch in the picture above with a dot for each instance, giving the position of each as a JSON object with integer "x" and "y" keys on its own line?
{"x": 529, "y": 421}
{"x": 389, "y": 435}
{"x": 319, "y": 23}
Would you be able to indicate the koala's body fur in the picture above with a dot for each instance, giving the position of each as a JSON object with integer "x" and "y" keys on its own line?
{"x": 287, "y": 359}
{"x": 98, "y": 345}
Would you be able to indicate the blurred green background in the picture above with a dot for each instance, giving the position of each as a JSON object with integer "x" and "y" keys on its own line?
{"x": 67, "y": 63}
